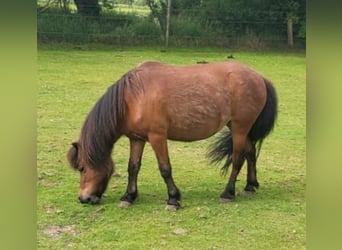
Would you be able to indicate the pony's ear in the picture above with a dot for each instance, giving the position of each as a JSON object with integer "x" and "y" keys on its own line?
{"x": 72, "y": 155}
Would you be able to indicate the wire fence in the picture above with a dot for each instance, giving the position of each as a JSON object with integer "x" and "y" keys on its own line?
{"x": 135, "y": 26}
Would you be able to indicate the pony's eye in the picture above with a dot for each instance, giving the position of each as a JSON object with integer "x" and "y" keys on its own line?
{"x": 81, "y": 169}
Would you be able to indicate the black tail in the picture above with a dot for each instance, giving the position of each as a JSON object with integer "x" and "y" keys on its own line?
{"x": 223, "y": 146}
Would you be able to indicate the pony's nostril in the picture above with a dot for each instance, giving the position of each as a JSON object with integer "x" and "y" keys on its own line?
{"x": 92, "y": 199}
{"x": 83, "y": 200}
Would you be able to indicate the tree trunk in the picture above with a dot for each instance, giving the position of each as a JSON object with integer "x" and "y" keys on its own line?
{"x": 88, "y": 7}
{"x": 290, "y": 32}
{"x": 158, "y": 11}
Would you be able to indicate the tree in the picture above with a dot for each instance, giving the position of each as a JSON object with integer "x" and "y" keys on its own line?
{"x": 88, "y": 7}
{"x": 158, "y": 10}
{"x": 295, "y": 16}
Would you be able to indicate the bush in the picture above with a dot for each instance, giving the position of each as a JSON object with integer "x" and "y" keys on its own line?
{"x": 185, "y": 27}
{"x": 146, "y": 27}
{"x": 54, "y": 25}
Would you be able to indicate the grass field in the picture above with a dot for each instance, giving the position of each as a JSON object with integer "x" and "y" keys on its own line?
{"x": 71, "y": 79}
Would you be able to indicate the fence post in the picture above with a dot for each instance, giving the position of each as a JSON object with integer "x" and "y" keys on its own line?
{"x": 290, "y": 32}
{"x": 167, "y": 23}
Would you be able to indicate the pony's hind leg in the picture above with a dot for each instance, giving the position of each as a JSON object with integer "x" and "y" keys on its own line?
{"x": 238, "y": 158}
{"x": 159, "y": 145}
{"x": 252, "y": 182}
{"x": 136, "y": 150}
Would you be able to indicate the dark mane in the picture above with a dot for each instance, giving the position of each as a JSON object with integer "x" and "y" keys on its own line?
{"x": 101, "y": 128}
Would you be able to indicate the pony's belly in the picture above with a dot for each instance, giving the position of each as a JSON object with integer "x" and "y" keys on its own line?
{"x": 187, "y": 137}
{"x": 197, "y": 126}
{"x": 193, "y": 134}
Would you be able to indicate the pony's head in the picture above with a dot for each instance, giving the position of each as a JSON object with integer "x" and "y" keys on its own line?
{"x": 94, "y": 179}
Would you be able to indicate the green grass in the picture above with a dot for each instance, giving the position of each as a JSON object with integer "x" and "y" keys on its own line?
{"x": 72, "y": 79}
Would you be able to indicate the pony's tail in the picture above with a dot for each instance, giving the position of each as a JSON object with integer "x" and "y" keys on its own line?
{"x": 265, "y": 122}
{"x": 220, "y": 149}
{"x": 223, "y": 146}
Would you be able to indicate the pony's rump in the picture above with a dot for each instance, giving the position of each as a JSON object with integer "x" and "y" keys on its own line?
{"x": 264, "y": 124}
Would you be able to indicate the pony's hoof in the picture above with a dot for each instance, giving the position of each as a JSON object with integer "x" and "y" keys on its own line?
{"x": 124, "y": 204}
{"x": 171, "y": 207}
{"x": 225, "y": 200}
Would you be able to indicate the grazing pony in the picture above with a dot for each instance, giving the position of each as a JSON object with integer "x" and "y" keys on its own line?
{"x": 155, "y": 102}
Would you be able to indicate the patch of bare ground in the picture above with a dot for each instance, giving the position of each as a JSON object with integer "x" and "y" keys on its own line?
{"x": 56, "y": 232}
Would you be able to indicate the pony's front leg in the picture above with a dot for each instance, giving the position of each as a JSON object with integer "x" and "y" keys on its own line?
{"x": 136, "y": 150}
{"x": 159, "y": 145}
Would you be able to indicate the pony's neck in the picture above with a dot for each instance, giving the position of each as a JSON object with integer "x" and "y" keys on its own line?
{"x": 102, "y": 126}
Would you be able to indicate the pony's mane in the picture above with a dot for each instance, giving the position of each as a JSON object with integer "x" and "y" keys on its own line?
{"x": 101, "y": 128}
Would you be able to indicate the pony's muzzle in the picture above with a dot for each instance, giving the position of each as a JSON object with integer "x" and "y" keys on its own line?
{"x": 92, "y": 199}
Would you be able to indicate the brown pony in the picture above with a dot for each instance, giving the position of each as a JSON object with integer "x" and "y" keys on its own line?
{"x": 155, "y": 102}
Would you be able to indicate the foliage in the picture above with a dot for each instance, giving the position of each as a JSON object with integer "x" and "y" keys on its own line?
{"x": 183, "y": 27}
{"x": 71, "y": 79}
{"x": 106, "y": 28}
{"x": 237, "y": 17}
{"x": 146, "y": 28}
